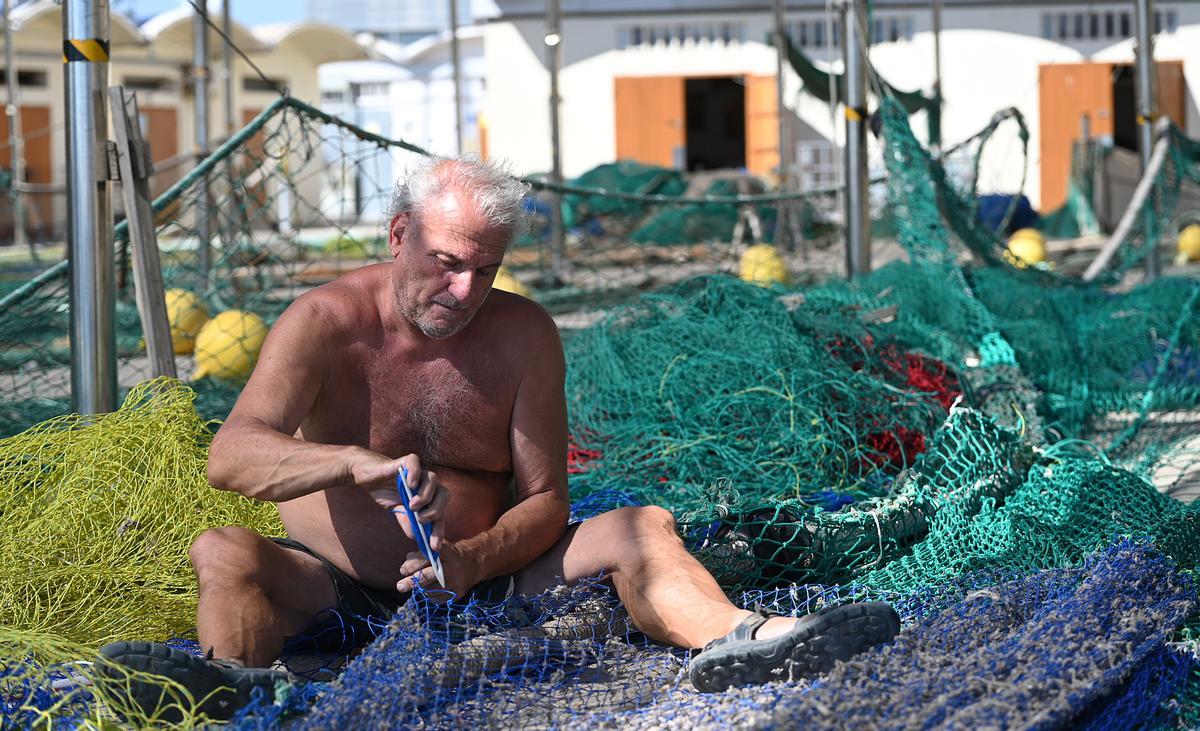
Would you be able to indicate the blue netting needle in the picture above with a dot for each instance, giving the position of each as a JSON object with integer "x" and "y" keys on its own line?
{"x": 421, "y": 531}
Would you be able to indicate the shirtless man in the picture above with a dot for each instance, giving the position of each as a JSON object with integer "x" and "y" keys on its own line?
{"x": 419, "y": 363}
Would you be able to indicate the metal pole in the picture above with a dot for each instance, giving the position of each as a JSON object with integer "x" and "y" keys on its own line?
{"x": 937, "y": 61}
{"x": 89, "y": 212}
{"x": 1147, "y": 105}
{"x": 782, "y": 240}
{"x": 457, "y": 61}
{"x": 553, "y": 40}
{"x": 200, "y": 94}
{"x": 227, "y": 66}
{"x": 16, "y": 141}
{"x": 858, "y": 220}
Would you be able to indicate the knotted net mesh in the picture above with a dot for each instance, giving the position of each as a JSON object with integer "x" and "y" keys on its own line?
{"x": 996, "y": 452}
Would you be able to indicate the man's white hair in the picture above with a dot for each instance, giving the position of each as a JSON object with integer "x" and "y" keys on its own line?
{"x": 489, "y": 186}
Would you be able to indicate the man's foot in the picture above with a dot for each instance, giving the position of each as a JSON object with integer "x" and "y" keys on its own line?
{"x": 218, "y": 687}
{"x": 813, "y": 646}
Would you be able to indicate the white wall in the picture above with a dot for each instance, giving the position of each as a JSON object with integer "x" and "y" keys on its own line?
{"x": 983, "y": 71}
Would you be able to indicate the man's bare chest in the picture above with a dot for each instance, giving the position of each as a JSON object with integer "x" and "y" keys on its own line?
{"x": 456, "y": 415}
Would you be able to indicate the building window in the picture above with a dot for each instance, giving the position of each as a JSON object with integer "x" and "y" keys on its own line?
{"x": 254, "y": 83}
{"x": 369, "y": 88}
{"x": 893, "y": 28}
{"x": 819, "y": 33}
{"x": 333, "y": 97}
{"x": 645, "y": 36}
{"x": 1172, "y": 21}
{"x": 35, "y": 79}
{"x": 145, "y": 83}
{"x": 1095, "y": 26}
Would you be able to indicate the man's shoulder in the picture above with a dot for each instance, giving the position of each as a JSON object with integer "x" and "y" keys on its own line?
{"x": 344, "y": 304}
{"x": 520, "y": 317}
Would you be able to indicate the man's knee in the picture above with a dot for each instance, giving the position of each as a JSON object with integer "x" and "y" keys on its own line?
{"x": 649, "y": 521}
{"x": 227, "y": 552}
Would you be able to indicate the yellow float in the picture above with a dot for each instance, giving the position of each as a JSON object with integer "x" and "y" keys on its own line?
{"x": 1188, "y": 244}
{"x": 228, "y": 345}
{"x": 507, "y": 282}
{"x": 1027, "y": 246}
{"x": 761, "y": 264}
{"x": 186, "y": 314}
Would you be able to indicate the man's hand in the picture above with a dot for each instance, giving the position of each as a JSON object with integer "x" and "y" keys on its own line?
{"x": 459, "y": 570}
{"x": 378, "y": 474}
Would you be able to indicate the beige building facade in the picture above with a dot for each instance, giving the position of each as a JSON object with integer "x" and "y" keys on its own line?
{"x": 155, "y": 60}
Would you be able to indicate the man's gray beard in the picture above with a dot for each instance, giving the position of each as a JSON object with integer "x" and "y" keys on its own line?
{"x": 412, "y": 313}
{"x": 438, "y": 332}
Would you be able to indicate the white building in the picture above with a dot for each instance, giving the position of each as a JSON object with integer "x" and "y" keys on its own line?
{"x": 396, "y": 21}
{"x": 154, "y": 60}
{"x": 643, "y": 77}
{"x": 407, "y": 93}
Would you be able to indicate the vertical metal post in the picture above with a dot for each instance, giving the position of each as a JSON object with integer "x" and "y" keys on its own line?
{"x": 1147, "y": 105}
{"x": 456, "y": 59}
{"x": 782, "y": 240}
{"x": 553, "y": 40}
{"x": 16, "y": 141}
{"x": 227, "y": 68}
{"x": 89, "y": 209}
{"x": 200, "y": 97}
{"x": 858, "y": 218}
{"x": 937, "y": 63}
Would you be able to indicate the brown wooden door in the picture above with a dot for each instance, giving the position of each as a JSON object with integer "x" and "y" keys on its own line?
{"x": 35, "y": 128}
{"x": 1065, "y": 93}
{"x": 651, "y": 121}
{"x": 1172, "y": 92}
{"x": 762, "y": 126}
{"x": 160, "y": 125}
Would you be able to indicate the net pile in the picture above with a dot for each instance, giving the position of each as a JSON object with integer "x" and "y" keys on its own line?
{"x": 974, "y": 652}
{"x": 975, "y": 444}
{"x": 98, "y": 516}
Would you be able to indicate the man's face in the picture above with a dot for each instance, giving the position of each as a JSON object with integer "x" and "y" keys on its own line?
{"x": 445, "y": 264}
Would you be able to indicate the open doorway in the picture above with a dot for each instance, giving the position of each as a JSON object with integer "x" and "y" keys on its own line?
{"x": 716, "y": 123}
{"x": 1124, "y": 96}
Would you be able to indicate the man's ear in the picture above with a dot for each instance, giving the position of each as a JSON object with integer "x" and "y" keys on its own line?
{"x": 396, "y": 228}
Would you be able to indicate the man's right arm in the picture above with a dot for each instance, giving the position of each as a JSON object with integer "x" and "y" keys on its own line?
{"x": 255, "y": 453}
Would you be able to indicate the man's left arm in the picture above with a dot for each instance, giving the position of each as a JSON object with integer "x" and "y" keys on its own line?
{"x": 538, "y": 435}
{"x": 538, "y": 439}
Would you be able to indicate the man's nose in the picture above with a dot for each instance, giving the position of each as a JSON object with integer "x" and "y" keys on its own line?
{"x": 461, "y": 285}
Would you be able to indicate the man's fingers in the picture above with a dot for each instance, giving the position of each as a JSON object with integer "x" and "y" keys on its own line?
{"x": 435, "y": 536}
{"x": 413, "y": 464}
{"x": 427, "y": 490}
{"x": 414, "y": 563}
{"x": 425, "y": 576}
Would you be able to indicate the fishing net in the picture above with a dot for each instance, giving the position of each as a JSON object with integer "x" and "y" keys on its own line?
{"x": 297, "y": 198}
{"x": 963, "y": 438}
{"x": 974, "y": 652}
{"x": 98, "y": 516}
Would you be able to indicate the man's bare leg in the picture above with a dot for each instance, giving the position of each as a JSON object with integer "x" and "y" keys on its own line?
{"x": 670, "y": 597}
{"x": 254, "y": 593}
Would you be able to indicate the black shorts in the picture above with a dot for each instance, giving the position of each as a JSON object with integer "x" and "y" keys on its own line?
{"x": 362, "y": 612}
